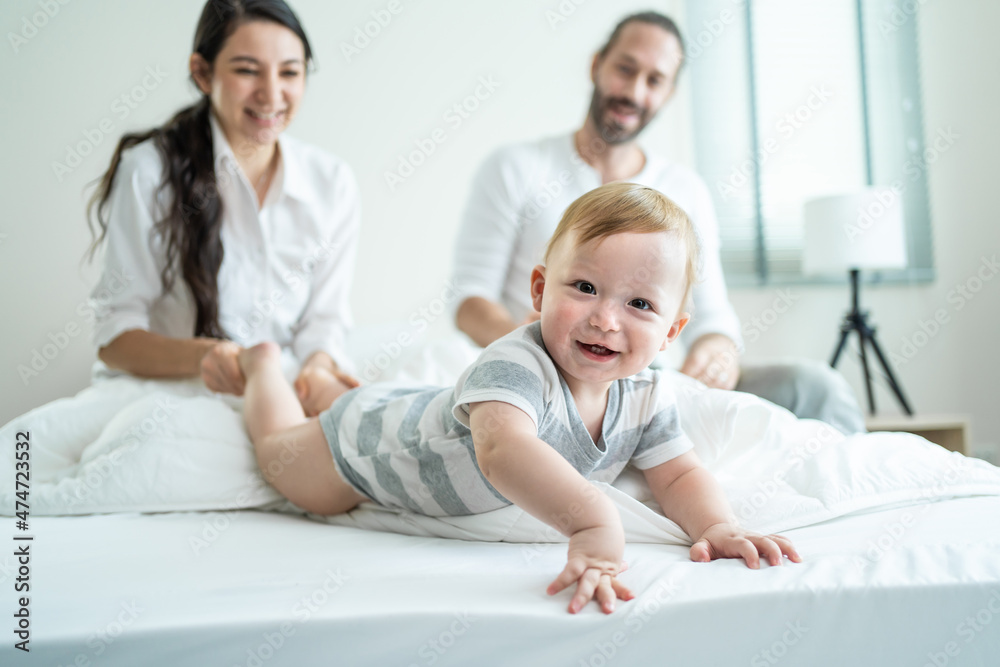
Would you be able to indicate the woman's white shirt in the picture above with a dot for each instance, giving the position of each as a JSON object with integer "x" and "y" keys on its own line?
{"x": 287, "y": 265}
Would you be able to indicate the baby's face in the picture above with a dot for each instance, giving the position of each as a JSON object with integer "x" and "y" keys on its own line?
{"x": 610, "y": 305}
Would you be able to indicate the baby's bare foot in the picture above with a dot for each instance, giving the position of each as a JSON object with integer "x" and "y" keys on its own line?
{"x": 251, "y": 358}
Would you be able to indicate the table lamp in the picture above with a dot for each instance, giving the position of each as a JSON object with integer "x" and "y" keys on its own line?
{"x": 851, "y": 232}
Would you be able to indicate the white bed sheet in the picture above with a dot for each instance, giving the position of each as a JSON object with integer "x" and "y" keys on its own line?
{"x": 893, "y": 587}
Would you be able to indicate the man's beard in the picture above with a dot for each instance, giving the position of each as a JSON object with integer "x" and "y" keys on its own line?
{"x": 610, "y": 131}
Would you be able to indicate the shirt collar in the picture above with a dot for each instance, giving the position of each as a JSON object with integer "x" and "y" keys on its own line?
{"x": 570, "y": 145}
{"x": 290, "y": 177}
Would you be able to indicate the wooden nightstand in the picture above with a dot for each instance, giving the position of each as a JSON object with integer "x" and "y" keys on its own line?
{"x": 949, "y": 431}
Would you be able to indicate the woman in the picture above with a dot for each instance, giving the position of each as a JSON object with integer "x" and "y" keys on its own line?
{"x": 219, "y": 233}
{"x": 226, "y": 234}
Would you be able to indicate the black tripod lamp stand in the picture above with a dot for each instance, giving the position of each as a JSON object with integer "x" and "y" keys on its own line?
{"x": 862, "y": 230}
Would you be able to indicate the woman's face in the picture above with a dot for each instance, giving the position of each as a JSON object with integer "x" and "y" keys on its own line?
{"x": 255, "y": 84}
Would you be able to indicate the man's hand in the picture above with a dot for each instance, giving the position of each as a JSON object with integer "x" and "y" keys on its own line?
{"x": 715, "y": 360}
{"x": 318, "y": 387}
{"x": 593, "y": 562}
{"x": 220, "y": 369}
{"x": 727, "y": 540}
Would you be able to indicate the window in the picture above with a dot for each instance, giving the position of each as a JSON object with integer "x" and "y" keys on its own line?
{"x": 797, "y": 99}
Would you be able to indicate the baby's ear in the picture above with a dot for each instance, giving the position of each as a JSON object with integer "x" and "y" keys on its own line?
{"x": 675, "y": 329}
{"x": 537, "y": 286}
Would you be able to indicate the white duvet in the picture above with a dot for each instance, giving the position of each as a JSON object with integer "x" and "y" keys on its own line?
{"x": 126, "y": 445}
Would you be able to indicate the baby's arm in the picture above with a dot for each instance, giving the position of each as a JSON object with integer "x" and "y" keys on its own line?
{"x": 690, "y": 495}
{"x": 536, "y": 478}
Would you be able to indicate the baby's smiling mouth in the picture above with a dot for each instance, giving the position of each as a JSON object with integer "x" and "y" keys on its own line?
{"x": 596, "y": 350}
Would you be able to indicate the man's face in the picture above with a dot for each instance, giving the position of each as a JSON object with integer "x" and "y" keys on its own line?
{"x": 633, "y": 80}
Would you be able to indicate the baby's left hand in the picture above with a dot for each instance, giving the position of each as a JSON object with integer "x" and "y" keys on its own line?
{"x": 728, "y": 540}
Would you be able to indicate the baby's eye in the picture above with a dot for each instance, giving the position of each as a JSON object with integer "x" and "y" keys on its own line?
{"x": 641, "y": 304}
{"x": 585, "y": 287}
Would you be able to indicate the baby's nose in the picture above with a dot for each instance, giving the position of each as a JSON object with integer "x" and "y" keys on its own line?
{"x": 604, "y": 317}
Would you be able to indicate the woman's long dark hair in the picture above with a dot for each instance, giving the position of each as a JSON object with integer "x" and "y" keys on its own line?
{"x": 192, "y": 227}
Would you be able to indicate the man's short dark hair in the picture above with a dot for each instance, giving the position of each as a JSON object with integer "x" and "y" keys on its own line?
{"x": 652, "y": 18}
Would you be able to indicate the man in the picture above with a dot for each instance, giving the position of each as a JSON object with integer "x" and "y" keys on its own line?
{"x": 521, "y": 191}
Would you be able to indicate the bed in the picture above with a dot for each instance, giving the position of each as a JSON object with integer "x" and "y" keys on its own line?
{"x": 901, "y": 542}
{"x": 274, "y": 589}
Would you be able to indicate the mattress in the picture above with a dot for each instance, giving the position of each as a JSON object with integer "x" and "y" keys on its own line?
{"x": 913, "y": 585}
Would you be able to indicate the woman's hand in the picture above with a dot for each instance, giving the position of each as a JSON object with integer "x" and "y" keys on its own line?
{"x": 594, "y": 561}
{"x": 319, "y": 385}
{"x": 220, "y": 368}
{"x": 727, "y": 540}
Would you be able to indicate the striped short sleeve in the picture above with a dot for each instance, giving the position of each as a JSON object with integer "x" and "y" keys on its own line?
{"x": 512, "y": 370}
{"x": 663, "y": 438}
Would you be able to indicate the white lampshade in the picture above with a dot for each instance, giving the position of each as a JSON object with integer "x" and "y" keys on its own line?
{"x": 861, "y": 230}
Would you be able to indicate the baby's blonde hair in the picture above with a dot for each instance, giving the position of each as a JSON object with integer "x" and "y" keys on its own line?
{"x": 619, "y": 208}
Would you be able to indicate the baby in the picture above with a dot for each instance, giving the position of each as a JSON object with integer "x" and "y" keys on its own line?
{"x": 543, "y": 410}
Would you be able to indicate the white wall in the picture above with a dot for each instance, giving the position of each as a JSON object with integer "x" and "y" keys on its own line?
{"x": 66, "y": 78}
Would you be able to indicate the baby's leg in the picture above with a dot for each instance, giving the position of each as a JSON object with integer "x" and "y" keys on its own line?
{"x": 292, "y": 452}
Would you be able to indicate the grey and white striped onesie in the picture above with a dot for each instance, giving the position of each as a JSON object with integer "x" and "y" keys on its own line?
{"x": 411, "y": 447}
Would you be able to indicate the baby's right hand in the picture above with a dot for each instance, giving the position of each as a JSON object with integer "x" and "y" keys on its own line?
{"x": 594, "y": 561}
